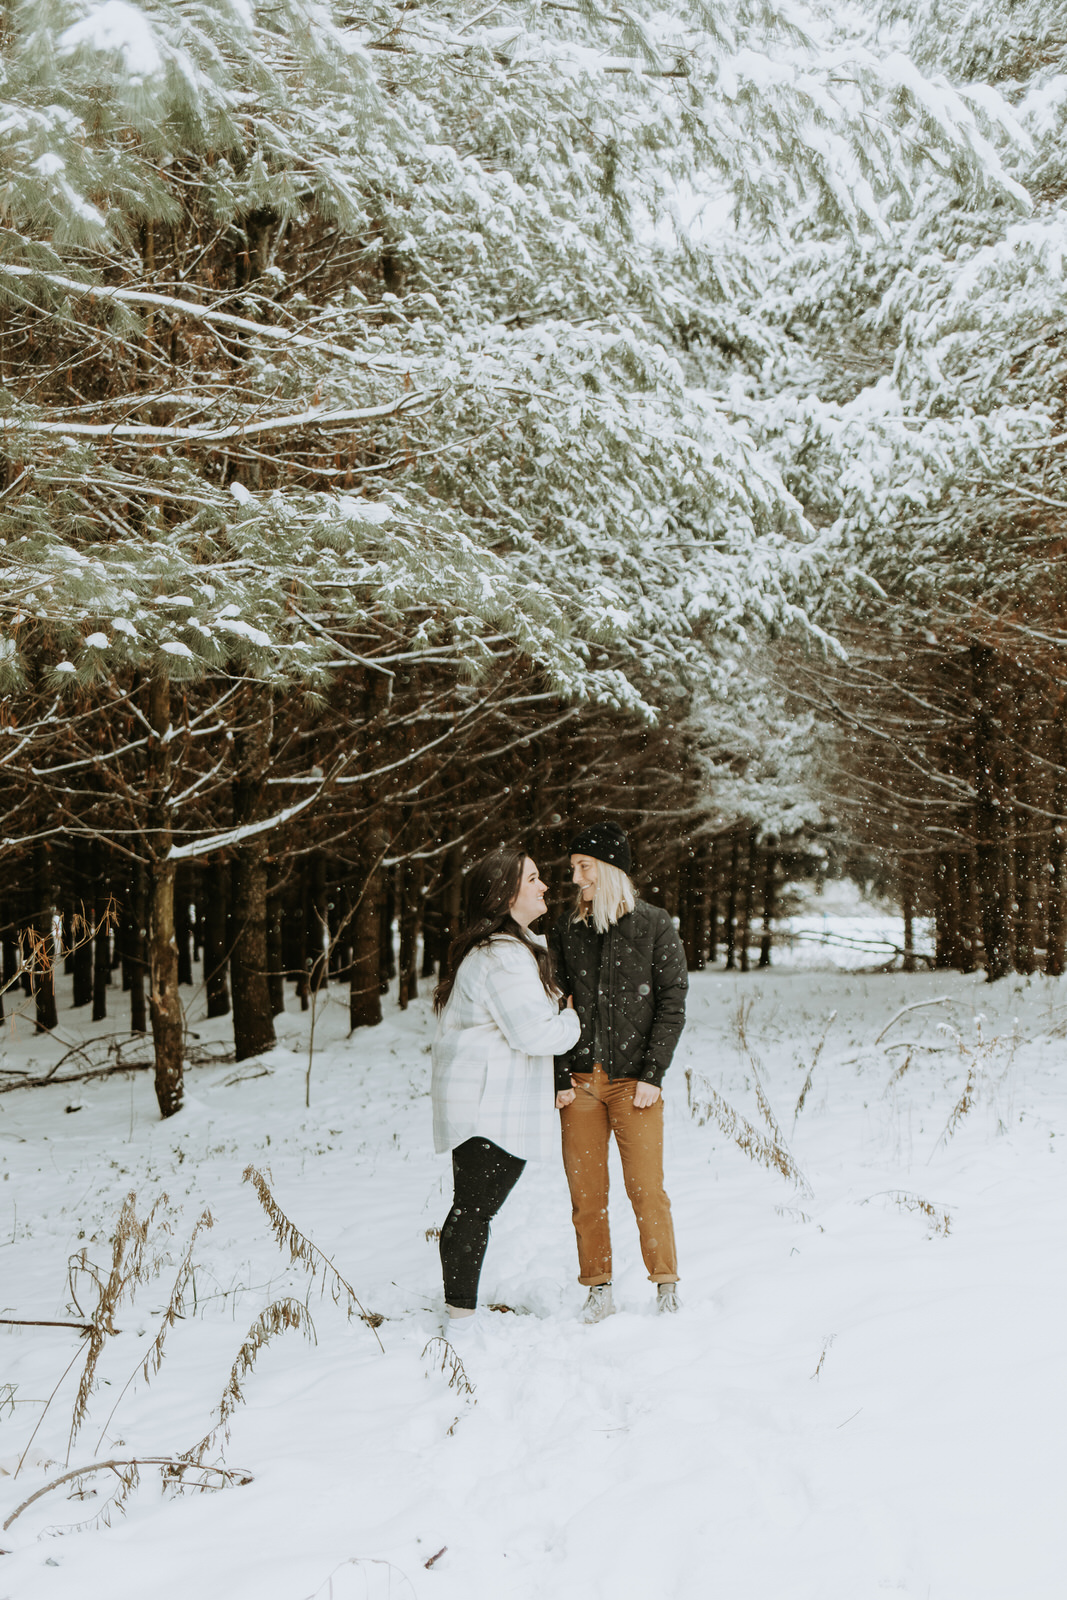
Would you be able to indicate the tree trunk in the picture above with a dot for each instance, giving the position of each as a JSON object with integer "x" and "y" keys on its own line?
{"x": 82, "y": 924}
{"x": 748, "y": 903}
{"x": 691, "y": 903}
{"x": 275, "y": 952}
{"x": 990, "y": 819}
{"x": 183, "y": 932}
{"x": 163, "y": 998}
{"x": 44, "y": 977}
{"x": 907, "y": 900}
{"x": 969, "y": 934}
{"x": 365, "y": 992}
{"x": 253, "y": 1015}
{"x": 730, "y": 930}
{"x": 317, "y": 924}
{"x": 101, "y": 945}
{"x": 410, "y": 874}
{"x": 770, "y": 884}
{"x": 137, "y": 947}
{"x": 1056, "y": 950}
{"x": 713, "y": 903}
{"x": 215, "y": 895}
{"x": 386, "y": 953}
{"x": 947, "y": 912}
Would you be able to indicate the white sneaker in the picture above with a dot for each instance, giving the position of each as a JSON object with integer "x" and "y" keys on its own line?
{"x": 667, "y": 1298}
{"x": 599, "y": 1304}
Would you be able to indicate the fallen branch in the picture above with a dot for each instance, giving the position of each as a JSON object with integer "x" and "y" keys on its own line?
{"x": 76, "y": 1077}
{"x": 917, "y": 1005}
{"x": 171, "y": 1464}
{"x": 40, "y": 1322}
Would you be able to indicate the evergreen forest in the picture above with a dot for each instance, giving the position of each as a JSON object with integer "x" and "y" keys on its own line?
{"x": 431, "y": 423}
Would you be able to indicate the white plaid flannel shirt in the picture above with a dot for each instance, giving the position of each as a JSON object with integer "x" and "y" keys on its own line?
{"x": 493, "y": 1054}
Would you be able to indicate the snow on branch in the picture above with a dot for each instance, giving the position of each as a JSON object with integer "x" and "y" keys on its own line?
{"x": 249, "y": 830}
{"x": 136, "y": 432}
{"x": 189, "y": 308}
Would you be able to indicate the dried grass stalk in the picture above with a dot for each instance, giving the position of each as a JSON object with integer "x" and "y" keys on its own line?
{"x": 278, "y": 1317}
{"x": 309, "y": 1255}
{"x": 446, "y": 1359}
{"x": 129, "y": 1248}
{"x": 811, "y": 1069}
{"x": 963, "y": 1104}
{"x": 709, "y": 1106}
{"x": 939, "y": 1220}
{"x": 152, "y": 1362}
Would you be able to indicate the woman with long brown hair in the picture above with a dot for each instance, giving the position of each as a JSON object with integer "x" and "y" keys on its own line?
{"x": 499, "y": 1024}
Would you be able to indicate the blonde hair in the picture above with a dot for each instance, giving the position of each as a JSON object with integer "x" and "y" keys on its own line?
{"x": 613, "y": 897}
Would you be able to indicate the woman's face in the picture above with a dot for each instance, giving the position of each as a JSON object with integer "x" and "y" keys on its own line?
{"x": 529, "y": 902}
{"x": 583, "y": 873}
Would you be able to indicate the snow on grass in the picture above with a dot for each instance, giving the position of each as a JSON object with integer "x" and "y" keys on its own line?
{"x": 853, "y": 1401}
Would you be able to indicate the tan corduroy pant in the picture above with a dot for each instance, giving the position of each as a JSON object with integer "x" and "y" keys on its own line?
{"x": 601, "y": 1108}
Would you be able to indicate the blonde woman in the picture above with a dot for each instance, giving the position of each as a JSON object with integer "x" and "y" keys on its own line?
{"x": 499, "y": 1024}
{"x": 623, "y": 963}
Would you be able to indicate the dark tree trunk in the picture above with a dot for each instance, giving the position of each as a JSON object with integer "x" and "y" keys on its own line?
{"x": 275, "y": 955}
{"x": 10, "y": 952}
{"x": 137, "y": 947}
{"x": 44, "y": 978}
{"x": 183, "y": 930}
{"x": 1056, "y": 951}
{"x": 969, "y": 930}
{"x": 691, "y": 908}
{"x": 365, "y": 991}
{"x": 452, "y": 900}
{"x": 164, "y": 1001}
{"x": 253, "y": 1016}
{"x": 82, "y": 924}
{"x": 410, "y": 876}
{"x": 748, "y": 902}
{"x": 732, "y": 889}
{"x": 215, "y": 896}
{"x": 991, "y": 819}
{"x": 101, "y": 949}
{"x": 432, "y": 933}
{"x": 713, "y": 903}
{"x": 317, "y": 923}
{"x": 386, "y": 953}
{"x": 907, "y": 900}
{"x": 770, "y": 884}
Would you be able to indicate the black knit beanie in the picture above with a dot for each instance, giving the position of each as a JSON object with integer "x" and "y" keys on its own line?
{"x": 604, "y": 841}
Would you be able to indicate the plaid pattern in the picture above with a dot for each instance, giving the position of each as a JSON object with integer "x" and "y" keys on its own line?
{"x": 492, "y": 1054}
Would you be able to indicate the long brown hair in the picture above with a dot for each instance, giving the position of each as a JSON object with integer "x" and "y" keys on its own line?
{"x": 490, "y": 887}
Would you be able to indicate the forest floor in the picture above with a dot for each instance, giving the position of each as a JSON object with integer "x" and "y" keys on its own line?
{"x": 863, "y": 1392}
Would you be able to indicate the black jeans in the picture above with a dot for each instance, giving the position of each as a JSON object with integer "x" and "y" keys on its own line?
{"x": 483, "y": 1176}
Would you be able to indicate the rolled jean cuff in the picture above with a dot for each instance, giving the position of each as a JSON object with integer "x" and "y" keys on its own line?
{"x": 596, "y": 1281}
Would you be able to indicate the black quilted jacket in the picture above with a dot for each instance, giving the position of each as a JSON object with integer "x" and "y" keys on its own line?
{"x": 640, "y": 995}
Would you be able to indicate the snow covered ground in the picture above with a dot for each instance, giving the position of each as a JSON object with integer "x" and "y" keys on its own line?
{"x": 853, "y": 1402}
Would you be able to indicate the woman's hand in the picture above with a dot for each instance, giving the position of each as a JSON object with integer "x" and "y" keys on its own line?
{"x": 566, "y": 1096}
{"x": 645, "y": 1095}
